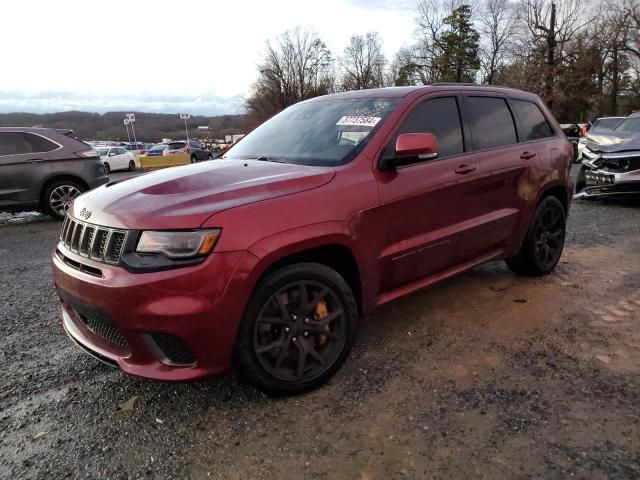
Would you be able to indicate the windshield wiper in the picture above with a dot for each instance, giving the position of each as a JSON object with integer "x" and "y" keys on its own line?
{"x": 262, "y": 158}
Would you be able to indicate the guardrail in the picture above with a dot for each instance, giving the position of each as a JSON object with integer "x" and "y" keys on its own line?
{"x": 163, "y": 161}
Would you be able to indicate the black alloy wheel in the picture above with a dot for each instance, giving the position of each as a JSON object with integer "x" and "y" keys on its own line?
{"x": 298, "y": 329}
{"x": 549, "y": 236}
{"x": 544, "y": 242}
{"x": 291, "y": 341}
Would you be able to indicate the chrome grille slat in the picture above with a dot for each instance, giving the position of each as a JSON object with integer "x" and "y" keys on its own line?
{"x": 102, "y": 244}
{"x": 77, "y": 234}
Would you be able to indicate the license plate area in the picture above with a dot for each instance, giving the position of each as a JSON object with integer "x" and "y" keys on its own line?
{"x": 594, "y": 178}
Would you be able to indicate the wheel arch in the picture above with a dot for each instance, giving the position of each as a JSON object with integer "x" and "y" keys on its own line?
{"x": 559, "y": 191}
{"x": 335, "y": 251}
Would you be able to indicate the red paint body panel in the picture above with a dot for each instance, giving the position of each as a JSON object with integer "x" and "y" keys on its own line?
{"x": 405, "y": 229}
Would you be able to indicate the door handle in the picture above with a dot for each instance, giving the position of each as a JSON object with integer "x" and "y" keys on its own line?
{"x": 464, "y": 169}
{"x": 35, "y": 160}
{"x": 527, "y": 155}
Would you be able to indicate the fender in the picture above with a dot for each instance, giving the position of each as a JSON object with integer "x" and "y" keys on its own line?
{"x": 269, "y": 250}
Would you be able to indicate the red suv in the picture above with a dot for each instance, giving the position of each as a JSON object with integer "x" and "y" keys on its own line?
{"x": 268, "y": 257}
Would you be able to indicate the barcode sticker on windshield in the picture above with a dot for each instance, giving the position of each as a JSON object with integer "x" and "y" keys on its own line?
{"x": 357, "y": 121}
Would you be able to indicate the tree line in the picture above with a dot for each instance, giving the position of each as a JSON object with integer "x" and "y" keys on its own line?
{"x": 582, "y": 57}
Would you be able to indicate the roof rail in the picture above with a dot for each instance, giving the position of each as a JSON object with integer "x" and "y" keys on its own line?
{"x": 468, "y": 84}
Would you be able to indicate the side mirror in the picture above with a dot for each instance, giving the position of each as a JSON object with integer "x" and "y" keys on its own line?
{"x": 411, "y": 148}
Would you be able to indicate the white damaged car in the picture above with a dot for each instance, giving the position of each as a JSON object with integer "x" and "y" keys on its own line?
{"x": 611, "y": 162}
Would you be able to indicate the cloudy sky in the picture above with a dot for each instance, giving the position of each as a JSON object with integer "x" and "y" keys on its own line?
{"x": 194, "y": 56}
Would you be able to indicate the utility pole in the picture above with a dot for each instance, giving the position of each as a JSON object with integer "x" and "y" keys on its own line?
{"x": 132, "y": 118}
{"x": 185, "y": 117}
{"x": 126, "y": 125}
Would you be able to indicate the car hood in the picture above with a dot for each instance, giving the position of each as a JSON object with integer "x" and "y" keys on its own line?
{"x": 613, "y": 142}
{"x": 184, "y": 197}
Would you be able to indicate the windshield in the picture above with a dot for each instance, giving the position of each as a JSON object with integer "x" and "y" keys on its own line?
{"x": 605, "y": 124}
{"x": 102, "y": 152}
{"x": 320, "y": 133}
{"x": 158, "y": 147}
{"x": 176, "y": 145}
{"x": 629, "y": 125}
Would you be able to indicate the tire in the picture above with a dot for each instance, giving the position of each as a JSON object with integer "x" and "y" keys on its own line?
{"x": 302, "y": 357}
{"x": 194, "y": 159}
{"x": 543, "y": 245}
{"x": 107, "y": 168}
{"x": 132, "y": 165}
{"x": 58, "y": 196}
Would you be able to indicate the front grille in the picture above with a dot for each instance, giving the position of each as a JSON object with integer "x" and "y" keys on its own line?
{"x": 98, "y": 243}
{"x": 173, "y": 348}
{"x": 101, "y": 327}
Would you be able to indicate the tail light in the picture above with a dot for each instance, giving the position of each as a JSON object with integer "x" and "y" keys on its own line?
{"x": 91, "y": 153}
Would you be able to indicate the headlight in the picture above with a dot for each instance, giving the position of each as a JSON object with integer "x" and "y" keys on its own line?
{"x": 178, "y": 244}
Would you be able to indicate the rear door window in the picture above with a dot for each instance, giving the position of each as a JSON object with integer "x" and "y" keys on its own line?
{"x": 13, "y": 143}
{"x": 533, "y": 123}
{"x": 491, "y": 122}
{"x": 19, "y": 143}
{"x": 438, "y": 116}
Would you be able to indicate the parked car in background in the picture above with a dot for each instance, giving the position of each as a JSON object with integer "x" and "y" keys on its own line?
{"x": 117, "y": 158}
{"x": 598, "y": 126}
{"x": 331, "y": 208}
{"x": 193, "y": 148}
{"x": 133, "y": 147}
{"x": 157, "y": 151}
{"x": 45, "y": 169}
{"x": 611, "y": 162}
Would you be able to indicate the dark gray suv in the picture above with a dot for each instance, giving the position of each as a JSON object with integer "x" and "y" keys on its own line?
{"x": 45, "y": 169}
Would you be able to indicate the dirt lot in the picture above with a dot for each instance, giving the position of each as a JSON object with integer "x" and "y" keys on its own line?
{"x": 484, "y": 376}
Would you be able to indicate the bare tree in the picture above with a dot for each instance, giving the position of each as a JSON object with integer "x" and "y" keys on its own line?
{"x": 363, "y": 62}
{"x": 498, "y": 21}
{"x": 296, "y": 66}
{"x": 553, "y": 24}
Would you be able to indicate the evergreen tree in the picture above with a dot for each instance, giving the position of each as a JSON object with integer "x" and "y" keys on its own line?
{"x": 458, "y": 60}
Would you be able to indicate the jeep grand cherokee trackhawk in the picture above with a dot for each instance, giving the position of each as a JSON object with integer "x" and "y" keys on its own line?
{"x": 268, "y": 257}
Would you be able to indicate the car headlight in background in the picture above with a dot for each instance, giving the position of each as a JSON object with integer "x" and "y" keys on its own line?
{"x": 178, "y": 244}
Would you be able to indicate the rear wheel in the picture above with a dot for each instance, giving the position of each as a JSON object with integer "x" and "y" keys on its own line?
{"x": 298, "y": 329}
{"x": 194, "y": 159}
{"x": 543, "y": 245}
{"x": 59, "y": 196}
{"x": 132, "y": 165}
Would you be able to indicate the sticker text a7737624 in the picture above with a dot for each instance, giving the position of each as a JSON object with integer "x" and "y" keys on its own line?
{"x": 358, "y": 121}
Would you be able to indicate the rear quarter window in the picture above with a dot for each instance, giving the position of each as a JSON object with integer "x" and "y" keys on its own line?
{"x": 533, "y": 123}
{"x": 491, "y": 122}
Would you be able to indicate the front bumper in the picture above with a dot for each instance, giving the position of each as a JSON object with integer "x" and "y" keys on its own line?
{"x": 598, "y": 181}
{"x": 173, "y": 325}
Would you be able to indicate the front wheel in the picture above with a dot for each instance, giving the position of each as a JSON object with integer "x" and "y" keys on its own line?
{"x": 543, "y": 245}
{"x": 107, "y": 168}
{"x": 194, "y": 159}
{"x": 132, "y": 165}
{"x": 58, "y": 197}
{"x": 298, "y": 329}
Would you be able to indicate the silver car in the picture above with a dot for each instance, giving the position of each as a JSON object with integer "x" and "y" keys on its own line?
{"x": 45, "y": 169}
{"x": 611, "y": 162}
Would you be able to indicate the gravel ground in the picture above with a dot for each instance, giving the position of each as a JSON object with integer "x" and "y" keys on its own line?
{"x": 485, "y": 375}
